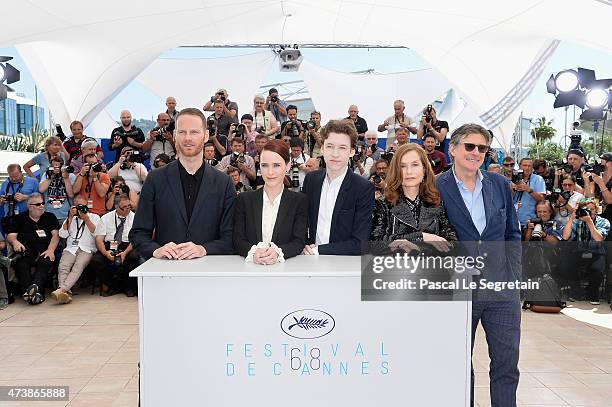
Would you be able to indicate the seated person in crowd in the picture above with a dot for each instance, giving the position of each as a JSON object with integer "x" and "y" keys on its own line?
{"x": 78, "y": 230}
{"x": 239, "y": 159}
{"x": 250, "y": 134}
{"x": 545, "y": 212}
{"x": 114, "y": 248}
{"x": 132, "y": 172}
{"x": 340, "y": 203}
{"x": 270, "y": 224}
{"x": 92, "y": 183}
{"x": 589, "y": 230}
{"x": 35, "y": 236}
{"x": 397, "y": 121}
{"x": 56, "y": 187}
{"x": 496, "y": 168}
{"x": 161, "y": 160}
{"x": 297, "y": 158}
{"x": 378, "y": 177}
{"x": 569, "y": 185}
{"x": 159, "y": 141}
{"x": 411, "y": 210}
{"x": 541, "y": 168}
{"x": 313, "y": 138}
{"x": 53, "y": 148}
{"x": 15, "y": 190}
{"x": 371, "y": 137}
{"x": 401, "y": 138}
{"x": 209, "y": 154}
{"x": 119, "y": 187}
{"x": 5, "y": 263}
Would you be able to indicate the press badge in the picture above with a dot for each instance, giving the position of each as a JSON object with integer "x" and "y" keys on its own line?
{"x": 114, "y": 245}
{"x": 90, "y": 203}
{"x": 56, "y": 204}
{"x": 587, "y": 255}
{"x": 75, "y": 242}
{"x": 41, "y": 233}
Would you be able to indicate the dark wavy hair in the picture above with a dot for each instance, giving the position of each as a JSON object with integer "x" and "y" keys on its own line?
{"x": 427, "y": 190}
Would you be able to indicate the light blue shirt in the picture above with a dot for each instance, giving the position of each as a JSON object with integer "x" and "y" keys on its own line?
{"x": 474, "y": 201}
{"x": 527, "y": 209}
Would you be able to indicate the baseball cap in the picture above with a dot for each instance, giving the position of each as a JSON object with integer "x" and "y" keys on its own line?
{"x": 606, "y": 156}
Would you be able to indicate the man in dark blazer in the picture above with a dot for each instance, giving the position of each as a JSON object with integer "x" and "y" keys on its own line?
{"x": 479, "y": 206}
{"x": 185, "y": 208}
{"x": 340, "y": 202}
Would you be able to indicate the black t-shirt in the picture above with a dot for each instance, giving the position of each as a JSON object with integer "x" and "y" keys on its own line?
{"x": 134, "y": 133}
{"x": 224, "y": 122}
{"x": 579, "y": 179}
{"x": 438, "y": 126}
{"x": 360, "y": 124}
{"x": 549, "y": 179}
{"x": 284, "y": 124}
{"x": 26, "y": 229}
{"x": 191, "y": 186}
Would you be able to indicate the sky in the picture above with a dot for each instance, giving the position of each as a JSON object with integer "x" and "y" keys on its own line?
{"x": 144, "y": 104}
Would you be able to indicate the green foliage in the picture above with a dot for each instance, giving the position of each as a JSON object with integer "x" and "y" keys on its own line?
{"x": 32, "y": 142}
{"x": 587, "y": 145}
{"x": 547, "y": 151}
{"x": 543, "y": 130}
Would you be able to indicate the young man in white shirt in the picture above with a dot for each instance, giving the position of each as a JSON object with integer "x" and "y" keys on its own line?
{"x": 114, "y": 248}
{"x": 78, "y": 230}
{"x": 340, "y": 201}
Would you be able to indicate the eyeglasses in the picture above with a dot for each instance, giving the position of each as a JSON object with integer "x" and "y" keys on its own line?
{"x": 482, "y": 148}
{"x": 371, "y": 138}
{"x": 567, "y": 185}
{"x": 38, "y": 204}
{"x": 508, "y": 164}
{"x": 125, "y": 208}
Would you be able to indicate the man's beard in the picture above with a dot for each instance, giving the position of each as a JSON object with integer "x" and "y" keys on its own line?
{"x": 128, "y": 124}
{"x": 198, "y": 150}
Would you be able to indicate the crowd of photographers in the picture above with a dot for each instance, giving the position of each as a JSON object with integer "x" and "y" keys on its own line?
{"x": 80, "y": 210}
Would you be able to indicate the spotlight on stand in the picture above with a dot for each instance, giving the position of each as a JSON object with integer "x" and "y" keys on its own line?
{"x": 580, "y": 87}
{"x": 9, "y": 74}
{"x": 289, "y": 60}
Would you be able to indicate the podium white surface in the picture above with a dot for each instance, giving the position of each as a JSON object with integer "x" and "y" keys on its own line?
{"x": 218, "y": 331}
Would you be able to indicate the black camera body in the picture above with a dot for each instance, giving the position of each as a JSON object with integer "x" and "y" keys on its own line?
{"x": 212, "y": 162}
{"x": 359, "y": 150}
{"x": 582, "y": 211}
{"x": 517, "y": 176}
{"x": 136, "y": 157}
{"x": 435, "y": 161}
{"x": 294, "y": 131}
{"x": 82, "y": 208}
{"x": 69, "y": 169}
{"x": 51, "y": 174}
{"x": 557, "y": 192}
{"x": 536, "y": 235}
{"x": 59, "y": 132}
{"x": 237, "y": 158}
{"x": 597, "y": 169}
{"x": 428, "y": 117}
{"x": 387, "y": 156}
{"x": 240, "y": 130}
{"x": 295, "y": 174}
{"x": 9, "y": 198}
{"x": 211, "y": 124}
{"x": 274, "y": 98}
{"x": 161, "y": 130}
{"x": 311, "y": 124}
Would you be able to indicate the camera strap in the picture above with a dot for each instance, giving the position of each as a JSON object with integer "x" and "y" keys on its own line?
{"x": 12, "y": 186}
{"x": 80, "y": 229}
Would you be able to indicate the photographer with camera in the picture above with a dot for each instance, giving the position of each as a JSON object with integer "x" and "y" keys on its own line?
{"x": 229, "y": 108}
{"x": 115, "y": 249}
{"x": 544, "y": 227}
{"x": 171, "y": 108}
{"x": 313, "y": 129}
{"x": 527, "y": 189}
{"x": 371, "y": 137}
{"x": 575, "y": 166}
{"x": 360, "y": 163}
{"x": 73, "y": 144}
{"x": 119, "y": 187}
{"x": 378, "y": 177}
{"x": 508, "y": 164}
{"x": 209, "y": 154}
{"x": 161, "y": 138}
{"x": 248, "y": 133}
{"x": 401, "y": 138}
{"x": 15, "y": 191}
{"x": 56, "y": 187}
{"x": 277, "y": 106}
{"x": 126, "y": 135}
{"x": 239, "y": 160}
{"x": 130, "y": 167}
{"x": 397, "y": 121}
{"x": 293, "y": 127}
{"x": 53, "y": 148}
{"x": 88, "y": 146}
{"x": 566, "y": 199}
{"x": 264, "y": 120}
{"x": 436, "y": 158}
{"x": 218, "y": 126}
{"x": 541, "y": 168}
{"x": 78, "y": 229}
{"x": 234, "y": 174}
{"x": 34, "y": 237}
{"x": 92, "y": 183}
{"x": 360, "y": 124}
{"x": 429, "y": 124}
{"x": 296, "y": 168}
{"x": 163, "y": 159}
{"x": 589, "y": 230}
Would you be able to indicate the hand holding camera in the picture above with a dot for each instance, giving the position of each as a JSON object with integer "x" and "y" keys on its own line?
{"x": 19, "y": 197}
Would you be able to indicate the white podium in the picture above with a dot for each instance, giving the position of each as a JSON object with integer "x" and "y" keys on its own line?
{"x": 220, "y": 332}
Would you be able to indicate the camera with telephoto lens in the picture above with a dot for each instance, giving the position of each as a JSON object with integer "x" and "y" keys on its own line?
{"x": 539, "y": 225}
{"x": 387, "y": 156}
{"x": 82, "y": 208}
{"x": 169, "y": 128}
{"x": 311, "y": 124}
{"x": 116, "y": 257}
{"x": 260, "y": 130}
{"x": 274, "y": 98}
{"x": 51, "y": 173}
{"x": 428, "y": 117}
{"x": 8, "y": 198}
{"x": 97, "y": 167}
{"x": 240, "y": 130}
{"x": 59, "y": 132}
{"x": 137, "y": 157}
{"x": 211, "y": 124}
{"x": 69, "y": 169}
{"x": 212, "y": 162}
{"x": 237, "y": 158}
{"x": 295, "y": 130}
{"x": 596, "y": 168}
{"x": 582, "y": 210}
{"x": 435, "y": 161}
{"x": 359, "y": 150}
{"x": 517, "y": 176}
{"x": 295, "y": 174}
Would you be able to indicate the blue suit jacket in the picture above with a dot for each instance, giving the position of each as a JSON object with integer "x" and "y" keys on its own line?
{"x": 352, "y": 218}
{"x": 503, "y": 258}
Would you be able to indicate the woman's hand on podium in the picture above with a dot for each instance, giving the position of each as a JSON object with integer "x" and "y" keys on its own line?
{"x": 265, "y": 256}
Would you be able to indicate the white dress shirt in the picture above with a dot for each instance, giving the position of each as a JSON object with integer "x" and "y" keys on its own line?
{"x": 84, "y": 239}
{"x": 268, "y": 220}
{"x": 107, "y": 227}
{"x": 329, "y": 194}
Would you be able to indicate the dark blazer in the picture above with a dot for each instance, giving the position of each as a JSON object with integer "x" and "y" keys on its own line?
{"x": 352, "y": 216}
{"x": 290, "y": 229}
{"x": 503, "y": 258}
{"x": 161, "y": 208}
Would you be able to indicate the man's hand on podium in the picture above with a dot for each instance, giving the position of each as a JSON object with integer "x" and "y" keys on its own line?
{"x": 182, "y": 251}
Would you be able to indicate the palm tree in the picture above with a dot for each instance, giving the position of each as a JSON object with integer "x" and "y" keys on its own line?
{"x": 543, "y": 130}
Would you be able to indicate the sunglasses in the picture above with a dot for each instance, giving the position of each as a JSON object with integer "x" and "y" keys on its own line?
{"x": 37, "y": 204}
{"x": 482, "y": 148}
{"x": 507, "y": 165}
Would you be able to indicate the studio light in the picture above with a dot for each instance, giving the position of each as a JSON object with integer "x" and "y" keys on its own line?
{"x": 8, "y": 73}
{"x": 289, "y": 60}
{"x": 596, "y": 98}
{"x": 566, "y": 81}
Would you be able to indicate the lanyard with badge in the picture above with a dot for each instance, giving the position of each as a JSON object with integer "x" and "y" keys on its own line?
{"x": 114, "y": 244}
{"x": 79, "y": 232}
{"x": 13, "y": 192}
{"x": 519, "y": 196}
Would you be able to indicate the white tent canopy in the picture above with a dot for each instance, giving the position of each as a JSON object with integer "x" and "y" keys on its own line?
{"x": 82, "y": 54}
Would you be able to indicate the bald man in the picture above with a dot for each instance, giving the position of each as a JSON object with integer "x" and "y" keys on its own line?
{"x": 126, "y": 135}
{"x": 171, "y": 107}
{"x": 158, "y": 141}
{"x": 360, "y": 124}
{"x": 399, "y": 119}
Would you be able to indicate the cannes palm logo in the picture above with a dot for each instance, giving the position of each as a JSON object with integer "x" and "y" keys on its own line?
{"x": 307, "y": 324}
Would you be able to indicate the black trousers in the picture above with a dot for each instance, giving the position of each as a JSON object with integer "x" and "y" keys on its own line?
{"x": 42, "y": 266}
{"x": 116, "y": 277}
{"x": 594, "y": 269}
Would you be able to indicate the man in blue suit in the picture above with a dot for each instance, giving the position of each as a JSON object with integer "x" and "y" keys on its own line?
{"x": 340, "y": 202}
{"x": 479, "y": 206}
